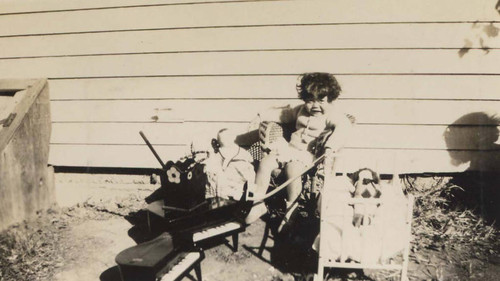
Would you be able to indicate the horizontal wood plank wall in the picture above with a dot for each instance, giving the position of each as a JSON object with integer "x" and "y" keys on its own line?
{"x": 48, "y": 6}
{"x": 368, "y": 36}
{"x": 421, "y": 77}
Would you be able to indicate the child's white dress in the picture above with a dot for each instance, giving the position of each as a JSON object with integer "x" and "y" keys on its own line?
{"x": 307, "y": 131}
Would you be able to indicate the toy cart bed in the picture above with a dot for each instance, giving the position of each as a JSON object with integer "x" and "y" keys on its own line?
{"x": 381, "y": 243}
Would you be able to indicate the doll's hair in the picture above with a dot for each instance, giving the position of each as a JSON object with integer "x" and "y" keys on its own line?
{"x": 375, "y": 176}
{"x": 318, "y": 85}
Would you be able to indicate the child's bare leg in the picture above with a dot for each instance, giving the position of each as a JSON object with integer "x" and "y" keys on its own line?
{"x": 294, "y": 189}
{"x": 262, "y": 179}
{"x": 263, "y": 176}
{"x": 292, "y": 169}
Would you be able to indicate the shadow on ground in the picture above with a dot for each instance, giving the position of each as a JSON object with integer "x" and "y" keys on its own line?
{"x": 139, "y": 232}
{"x": 111, "y": 274}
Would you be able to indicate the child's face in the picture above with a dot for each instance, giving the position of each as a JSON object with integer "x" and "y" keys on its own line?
{"x": 317, "y": 106}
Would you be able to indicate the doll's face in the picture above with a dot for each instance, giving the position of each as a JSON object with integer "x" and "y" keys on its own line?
{"x": 317, "y": 106}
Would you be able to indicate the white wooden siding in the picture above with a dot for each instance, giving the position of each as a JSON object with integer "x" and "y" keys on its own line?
{"x": 257, "y": 63}
{"x": 402, "y": 136}
{"x": 413, "y": 87}
{"x": 182, "y": 70}
{"x": 249, "y": 13}
{"x": 291, "y": 37}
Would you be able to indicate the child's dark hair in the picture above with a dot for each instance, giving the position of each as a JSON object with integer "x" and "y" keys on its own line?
{"x": 318, "y": 85}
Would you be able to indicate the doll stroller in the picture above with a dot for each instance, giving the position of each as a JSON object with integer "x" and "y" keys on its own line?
{"x": 382, "y": 243}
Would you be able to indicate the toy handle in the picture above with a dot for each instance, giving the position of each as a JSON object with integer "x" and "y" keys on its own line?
{"x": 152, "y": 150}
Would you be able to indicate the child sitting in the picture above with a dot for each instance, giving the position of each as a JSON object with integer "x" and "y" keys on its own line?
{"x": 318, "y": 114}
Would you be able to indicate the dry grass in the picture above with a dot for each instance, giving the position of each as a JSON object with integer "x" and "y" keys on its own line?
{"x": 31, "y": 250}
{"x": 447, "y": 240}
{"x": 34, "y": 249}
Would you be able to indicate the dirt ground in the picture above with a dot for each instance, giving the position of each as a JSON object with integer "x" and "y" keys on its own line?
{"x": 96, "y": 243}
{"x": 103, "y": 225}
{"x": 109, "y": 223}
{"x": 80, "y": 242}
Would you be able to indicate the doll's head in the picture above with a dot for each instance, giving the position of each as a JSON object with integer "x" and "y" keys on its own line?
{"x": 318, "y": 90}
{"x": 226, "y": 138}
{"x": 225, "y": 143}
{"x": 366, "y": 183}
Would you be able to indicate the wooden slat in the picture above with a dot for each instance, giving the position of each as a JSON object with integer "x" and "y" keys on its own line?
{"x": 365, "y": 111}
{"x": 254, "y": 38}
{"x": 128, "y": 133}
{"x": 278, "y": 87}
{"x": 383, "y": 160}
{"x": 34, "y": 6}
{"x": 423, "y": 137}
{"x": 364, "y": 136}
{"x": 15, "y": 84}
{"x": 112, "y": 156}
{"x": 249, "y": 13}
{"x": 243, "y": 63}
{"x": 419, "y": 161}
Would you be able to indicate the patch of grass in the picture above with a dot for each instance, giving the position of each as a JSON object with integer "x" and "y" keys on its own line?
{"x": 30, "y": 250}
{"x": 447, "y": 237}
{"x": 35, "y": 249}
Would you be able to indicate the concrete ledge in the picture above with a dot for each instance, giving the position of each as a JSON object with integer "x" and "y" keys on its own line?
{"x": 73, "y": 189}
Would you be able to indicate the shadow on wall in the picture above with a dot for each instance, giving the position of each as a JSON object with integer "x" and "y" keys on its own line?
{"x": 481, "y": 37}
{"x": 473, "y": 139}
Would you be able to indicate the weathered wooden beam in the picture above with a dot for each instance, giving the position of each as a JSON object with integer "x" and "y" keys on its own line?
{"x": 26, "y": 184}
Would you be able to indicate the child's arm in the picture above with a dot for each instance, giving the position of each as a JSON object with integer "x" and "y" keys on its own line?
{"x": 342, "y": 127}
{"x": 282, "y": 115}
